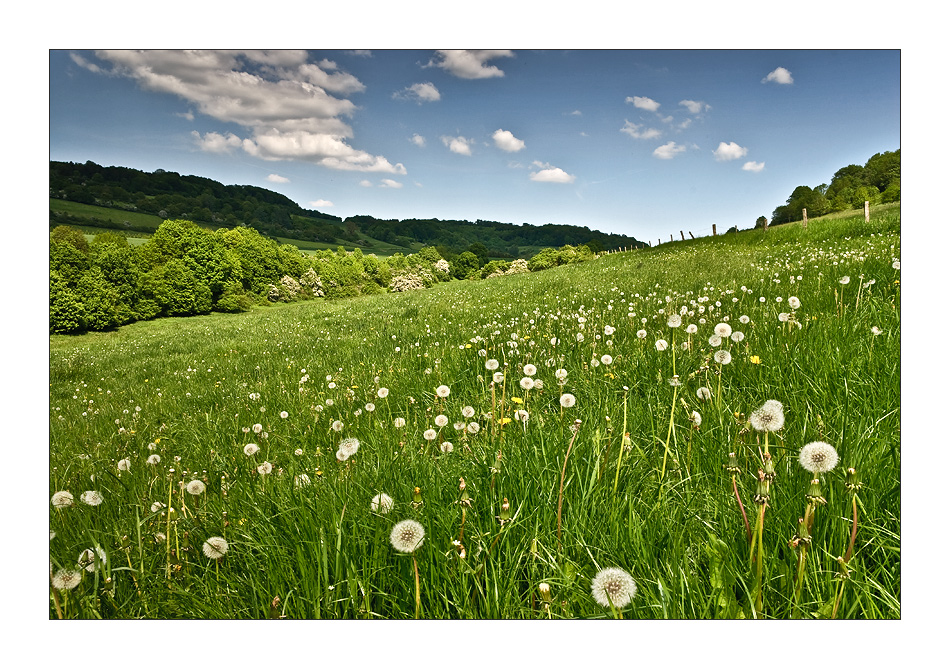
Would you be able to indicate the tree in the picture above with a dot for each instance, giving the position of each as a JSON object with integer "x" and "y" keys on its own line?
{"x": 464, "y": 265}
{"x": 66, "y": 311}
{"x": 761, "y": 221}
{"x": 480, "y": 251}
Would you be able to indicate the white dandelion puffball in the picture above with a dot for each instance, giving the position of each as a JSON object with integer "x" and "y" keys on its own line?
{"x": 703, "y": 393}
{"x": 153, "y": 459}
{"x": 66, "y": 579}
{"x": 301, "y": 481}
{"x": 257, "y": 428}
{"x": 157, "y": 506}
{"x": 61, "y": 499}
{"x": 498, "y": 377}
{"x": 692, "y": 329}
{"x": 783, "y": 317}
{"x": 613, "y": 586}
{"x": 87, "y": 559}
{"x": 381, "y": 503}
{"x": 723, "y": 357}
{"x": 530, "y": 370}
{"x": 606, "y": 359}
{"x": 737, "y": 336}
{"x": 251, "y": 449}
{"x": 265, "y": 468}
{"x": 674, "y": 321}
{"x": 560, "y": 374}
{"x": 896, "y": 264}
{"x": 91, "y": 497}
{"x": 399, "y": 422}
{"x": 769, "y": 417}
{"x": 442, "y": 391}
{"x": 641, "y": 334}
{"x": 215, "y": 548}
{"x": 491, "y": 364}
{"x": 794, "y": 302}
{"x": 473, "y": 428}
{"x": 446, "y": 447}
{"x": 195, "y": 487}
{"x": 568, "y": 400}
{"x": 284, "y": 414}
{"x": 818, "y": 457}
{"x": 608, "y": 330}
{"x": 370, "y": 407}
{"x": 336, "y": 426}
{"x": 468, "y": 412}
{"x": 743, "y": 319}
{"x": 407, "y": 536}
{"x": 382, "y": 393}
{"x": 696, "y": 418}
{"x": 845, "y": 280}
{"x": 349, "y": 446}
{"x": 723, "y": 329}
{"x": 429, "y": 435}
{"x": 715, "y": 340}
{"x": 527, "y": 383}
{"x": 661, "y": 345}
{"x": 441, "y": 420}
{"x": 124, "y": 465}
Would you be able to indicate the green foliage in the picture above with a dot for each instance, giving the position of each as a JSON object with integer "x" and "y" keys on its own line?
{"x": 850, "y": 187}
{"x": 66, "y": 312}
{"x": 100, "y": 301}
{"x": 464, "y": 264}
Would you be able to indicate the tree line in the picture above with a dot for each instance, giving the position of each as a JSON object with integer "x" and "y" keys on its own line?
{"x": 877, "y": 182}
{"x": 184, "y": 269}
{"x": 207, "y": 202}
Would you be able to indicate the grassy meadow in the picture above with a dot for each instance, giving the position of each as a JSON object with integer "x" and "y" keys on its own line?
{"x": 539, "y": 428}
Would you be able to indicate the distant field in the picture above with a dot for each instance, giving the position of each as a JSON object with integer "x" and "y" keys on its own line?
{"x": 104, "y": 213}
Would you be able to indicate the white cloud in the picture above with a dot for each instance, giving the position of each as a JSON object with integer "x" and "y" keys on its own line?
{"x": 550, "y": 174}
{"x": 82, "y": 62}
{"x": 469, "y": 64}
{"x": 459, "y": 145}
{"x": 216, "y": 142}
{"x": 635, "y": 130}
{"x": 390, "y": 183}
{"x": 668, "y": 150}
{"x": 643, "y": 103}
{"x": 366, "y": 183}
{"x": 418, "y": 140}
{"x": 576, "y": 112}
{"x": 779, "y": 75}
{"x": 320, "y": 203}
{"x": 695, "y": 106}
{"x": 424, "y": 92}
{"x": 288, "y": 105}
{"x": 753, "y": 166}
{"x": 188, "y": 116}
{"x": 277, "y": 179}
{"x": 730, "y": 151}
{"x": 506, "y": 141}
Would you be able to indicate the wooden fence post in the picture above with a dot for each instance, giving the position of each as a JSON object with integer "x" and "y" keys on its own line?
{"x": 691, "y": 236}
{"x": 714, "y": 229}
{"x": 765, "y": 227}
{"x": 804, "y": 218}
{"x": 867, "y": 211}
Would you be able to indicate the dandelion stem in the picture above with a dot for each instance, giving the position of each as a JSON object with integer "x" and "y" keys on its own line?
{"x": 623, "y": 438}
{"x": 560, "y": 492}
{"x": 745, "y": 519}
{"x": 854, "y": 527}
{"x": 59, "y": 611}
{"x": 415, "y": 566}
{"x": 669, "y": 433}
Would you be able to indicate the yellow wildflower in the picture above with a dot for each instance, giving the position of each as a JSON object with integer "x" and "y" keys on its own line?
{"x": 517, "y": 400}
{"x": 755, "y": 360}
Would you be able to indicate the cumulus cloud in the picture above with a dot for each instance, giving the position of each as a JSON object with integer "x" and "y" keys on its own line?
{"x": 418, "y": 140}
{"x": 366, "y": 183}
{"x": 321, "y": 203}
{"x": 470, "y": 64}
{"x": 424, "y": 92}
{"x": 506, "y": 141}
{"x": 550, "y": 174}
{"x": 668, "y": 150}
{"x": 291, "y": 109}
{"x": 188, "y": 116}
{"x": 459, "y": 145}
{"x": 643, "y": 103}
{"x": 730, "y": 151}
{"x": 636, "y": 131}
{"x": 695, "y": 106}
{"x": 277, "y": 179}
{"x": 753, "y": 166}
{"x": 779, "y": 75}
{"x": 390, "y": 183}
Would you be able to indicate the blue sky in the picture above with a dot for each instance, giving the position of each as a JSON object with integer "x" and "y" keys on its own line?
{"x": 644, "y": 143}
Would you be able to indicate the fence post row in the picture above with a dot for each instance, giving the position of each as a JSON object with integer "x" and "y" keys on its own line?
{"x": 804, "y": 218}
{"x": 867, "y": 211}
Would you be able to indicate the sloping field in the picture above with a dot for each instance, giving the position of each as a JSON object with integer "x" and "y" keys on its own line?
{"x": 654, "y": 412}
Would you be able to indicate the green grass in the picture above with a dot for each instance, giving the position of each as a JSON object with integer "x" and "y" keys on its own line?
{"x": 191, "y": 391}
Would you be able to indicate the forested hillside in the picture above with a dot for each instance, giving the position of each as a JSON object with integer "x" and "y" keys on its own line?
{"x": 170, "y": 195}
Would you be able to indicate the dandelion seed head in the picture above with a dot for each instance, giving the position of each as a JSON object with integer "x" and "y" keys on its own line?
{"x": 441, "y": 420}
{"x": 381, "y": 503}
{"x": 265, "y": 468}
{"x": 613, "y": 586}
{"x": 407, "y": 535}
{"x": 382, "y": 393}
{"x": 124, "y": 465}
{"x": 443, "y": 391}
{"x": 769, "y": 417}
{"x": 195, "y": 487}
{"x": 349, "y": 446}
{"x": 214, "y": 548}
{"x": 61, "y": 499}
{"x": 66, "y": 579}
{"x": 723, "y": 357}
{"x": 818, "y": 457}
{"x": 251, "y": 449}
{"x": 661, "y": 345}
{"x": 468, "y": 412}
{"x": 446, "y": 447}
{"x": 568, "y": 400}
{"x": 794, "y": 302}
{"x": 527, "y": 383}
{"x": 91, "y": 497}
{"x": 429, "y": 435}
{"x": 399, "y": 422}
{"x": 703, "y": 393}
